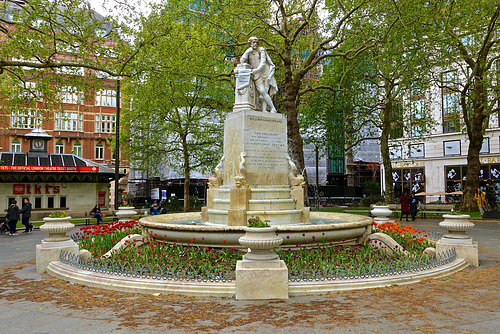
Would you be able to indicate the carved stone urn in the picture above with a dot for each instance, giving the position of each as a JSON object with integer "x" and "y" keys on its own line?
{"x": 57, "y": 228}
{"x": 381, "y": 213}
{"x": 457, "y": 225}
{"x": 261, "y": 241}
{"x": 125, "y": 213}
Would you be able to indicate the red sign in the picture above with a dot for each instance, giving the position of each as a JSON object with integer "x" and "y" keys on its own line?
{"x": 36, "y": 188}
{"x": 18, "y": 188}
{"x": 48, "y": 169}
{"x": 101, "y": 199}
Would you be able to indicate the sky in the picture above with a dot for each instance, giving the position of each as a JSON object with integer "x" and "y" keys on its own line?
{"x": 103, "y": 6}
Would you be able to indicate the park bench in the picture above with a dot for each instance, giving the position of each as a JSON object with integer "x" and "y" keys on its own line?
{"x": 432, "y": 210}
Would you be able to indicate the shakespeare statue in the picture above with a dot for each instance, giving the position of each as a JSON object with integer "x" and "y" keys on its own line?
{"x": 262, "y": 72}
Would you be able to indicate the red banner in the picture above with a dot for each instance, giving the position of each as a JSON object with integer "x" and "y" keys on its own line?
{"x": 48, "y": 169}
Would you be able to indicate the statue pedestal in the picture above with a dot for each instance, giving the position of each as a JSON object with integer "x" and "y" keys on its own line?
{"x": 255, "y": 174}
{"x": 262, "y": 136}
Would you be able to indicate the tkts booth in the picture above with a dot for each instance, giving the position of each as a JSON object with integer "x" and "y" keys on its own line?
{"x": 52, "y": 182}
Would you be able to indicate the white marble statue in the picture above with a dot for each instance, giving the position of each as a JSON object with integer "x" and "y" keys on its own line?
{"x": 262, "y": 72}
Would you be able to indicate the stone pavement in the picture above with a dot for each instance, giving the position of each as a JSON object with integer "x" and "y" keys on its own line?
{"x": 466, "y": 302}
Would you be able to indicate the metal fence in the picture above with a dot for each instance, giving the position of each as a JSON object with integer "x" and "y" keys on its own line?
{"x": 146, "y": 271}
{"x": 319, "y": 273}
{"x": 352, "y": 272}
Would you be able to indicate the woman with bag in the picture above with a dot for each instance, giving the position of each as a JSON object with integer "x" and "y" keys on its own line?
{"x": 13, "y": 217}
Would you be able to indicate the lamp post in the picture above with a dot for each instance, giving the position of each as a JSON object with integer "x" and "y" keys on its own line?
{"x": 317, "y": 178}
{"x": 117, "y": 143}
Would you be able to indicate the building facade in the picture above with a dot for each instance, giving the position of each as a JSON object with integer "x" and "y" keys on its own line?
{"x": 437, "y": 163}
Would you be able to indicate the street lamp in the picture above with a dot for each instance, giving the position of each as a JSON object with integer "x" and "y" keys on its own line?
{"x": 117, "y": 143}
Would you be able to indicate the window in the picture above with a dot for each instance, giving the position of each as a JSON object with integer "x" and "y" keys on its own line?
{"x": 15, "y": 146}
{"x": 68, "y": 121}
{"x": 417, "y": 151}
{"x": 50, "y": 202}
{"x": 38, "y": 202}
{"x": 70, "y": 94}
{"x": 59, "y": 148}
{"x": 452, "y": 147}
{"x": 451, "y": 98}
{"x": 396, "y": 120}
{"x": 395, "y": 152}
{"x": 62, "y": 202}
{"x": 409, "y": 180}
{"x": 485, "y": 148}
{"x": 77, "y": 149}
{"x": 417, "y": 108}
{"x": 70, "y": 70}
{"x": 105, "y": 123}
{"x": 29, "y": 91}
{"x": 26, "y": 119}
{"x": 105, "y": 98}
{"x": 99, "y": 152}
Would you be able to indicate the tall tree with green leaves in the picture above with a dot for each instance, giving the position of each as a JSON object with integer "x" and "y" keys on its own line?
{"x": 299, "y": 35}
{"x": 380, "y": 94}
{"x": 178, "y": 104}
{"x": 45, "y": 45}
{"x": 467, "y": 41}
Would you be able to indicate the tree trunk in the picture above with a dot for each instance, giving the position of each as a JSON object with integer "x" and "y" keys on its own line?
{"x": 384, "y": 147}
{"x": 295, "y": 142}
{"x": 475, "y": 134}
{"x": 187, "y": 173}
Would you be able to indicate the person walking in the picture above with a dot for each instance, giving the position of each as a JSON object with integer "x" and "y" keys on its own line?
{"x": 13, "y": 217}
{"x": 480, "y": 199}
{"x": 414, "y": 206}
{"x": 26, "y": 211}
{"x": 405, "y": 205}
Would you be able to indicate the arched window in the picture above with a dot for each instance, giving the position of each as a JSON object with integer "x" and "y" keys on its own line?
{"x": 59, "y": 148}
{"x": 99, "y": 152}
{"x": 15, "y": 146}
{"x": 77, "y": 149}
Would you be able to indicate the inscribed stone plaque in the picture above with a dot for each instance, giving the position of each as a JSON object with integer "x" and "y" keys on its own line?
{"x": 243, "y": 79}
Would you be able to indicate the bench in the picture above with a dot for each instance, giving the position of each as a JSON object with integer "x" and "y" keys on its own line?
{"x": 436, "y": 209}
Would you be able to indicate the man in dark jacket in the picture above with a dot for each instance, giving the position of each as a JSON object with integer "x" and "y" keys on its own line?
{"x": 26, "y": 211}
{"x": 13, "y": 217}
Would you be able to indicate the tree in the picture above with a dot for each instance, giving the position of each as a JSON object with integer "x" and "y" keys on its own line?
{"x": 46, "y": 44}
{"x": 467, "y": 40}
{"x": 299, "y": 38}
{"x": 177, "y": 104}
{"x": 375, "y": 93}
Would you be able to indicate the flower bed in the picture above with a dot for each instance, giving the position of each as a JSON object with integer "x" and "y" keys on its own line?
{"x": 99, "y": 239}
{"x": 411, "y": 239}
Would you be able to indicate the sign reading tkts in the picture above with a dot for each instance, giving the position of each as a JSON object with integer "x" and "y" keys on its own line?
{"x": 48, "y": 169}
{"x": 26, "y": 189}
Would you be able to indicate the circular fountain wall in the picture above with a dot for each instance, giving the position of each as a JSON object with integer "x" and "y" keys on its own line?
{"x": 187, "y": 228}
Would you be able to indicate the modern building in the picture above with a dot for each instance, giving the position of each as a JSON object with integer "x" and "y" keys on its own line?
{"x": 437, "y": 163}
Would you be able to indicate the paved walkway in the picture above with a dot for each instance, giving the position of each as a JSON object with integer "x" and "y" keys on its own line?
{"x": 466, "y": 302}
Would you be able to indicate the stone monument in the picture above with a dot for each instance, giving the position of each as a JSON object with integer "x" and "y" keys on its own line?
{"x": 255, "y": 176}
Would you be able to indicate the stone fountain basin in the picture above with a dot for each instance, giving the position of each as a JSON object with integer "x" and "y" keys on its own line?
{"x": 187, "y": 228}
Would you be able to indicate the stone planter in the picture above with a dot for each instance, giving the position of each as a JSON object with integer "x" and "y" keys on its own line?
{"x": 457, "y": 239}
{"x": 125, "y": 213}
{"x": 381, "y": 213}
{"x": 457, "y": 225}
{"x": 57, "y": 228}
{"x": 261, "y": 241}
